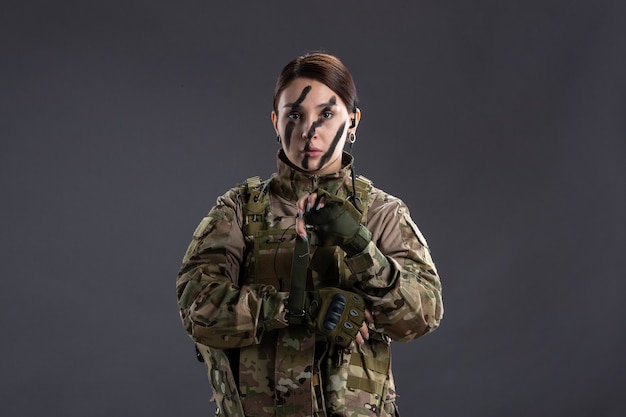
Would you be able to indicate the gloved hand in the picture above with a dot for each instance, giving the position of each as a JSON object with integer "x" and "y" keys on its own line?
{"x": 335, "y": 313}
{"x": 337, "y": 223}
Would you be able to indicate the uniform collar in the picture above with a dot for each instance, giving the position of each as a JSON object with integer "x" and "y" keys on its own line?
{"x": 291, "y": 182}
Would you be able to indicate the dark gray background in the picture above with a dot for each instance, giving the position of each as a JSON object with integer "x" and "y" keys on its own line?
{"x": 500, "y": 123}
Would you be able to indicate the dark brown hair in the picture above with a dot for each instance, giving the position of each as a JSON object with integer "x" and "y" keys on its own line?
{"x": 324, "y": 68}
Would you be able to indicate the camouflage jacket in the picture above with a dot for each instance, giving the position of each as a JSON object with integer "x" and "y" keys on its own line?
{"x": 233, "y": 288}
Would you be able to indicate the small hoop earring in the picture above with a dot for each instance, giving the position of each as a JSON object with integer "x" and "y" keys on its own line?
{"x": 351, "y": 137}
{"x": 278, "y": 139}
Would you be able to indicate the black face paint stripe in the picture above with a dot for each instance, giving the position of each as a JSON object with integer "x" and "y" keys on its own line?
{"x": 291, "y": 124}
{"x": 314, "y": 126}
{"x": 288, "y": 131}
{"x": 320, "y": 121}
{"x": 333, "y": 145}
{"x": 327, "y": 106}
{"x": 305, "y": 159}
{"x": 300, "y": 99}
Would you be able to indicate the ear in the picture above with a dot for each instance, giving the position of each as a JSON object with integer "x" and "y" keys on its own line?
{"x": 274, "y": 117}
{"x": 355, "y": 119}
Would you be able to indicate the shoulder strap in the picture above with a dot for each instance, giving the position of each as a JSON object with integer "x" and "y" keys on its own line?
{"x": 253, "y": 206}
{"x": 363, "y": 188}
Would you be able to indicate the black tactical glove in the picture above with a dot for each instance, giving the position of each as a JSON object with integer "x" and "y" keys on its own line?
{"x": 335, "y": 313}
{"x": 338, "y": 223}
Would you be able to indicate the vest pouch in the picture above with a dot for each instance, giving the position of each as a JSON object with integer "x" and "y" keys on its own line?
{"x": 360, "y": 380}
{"x": 272, "y": 258}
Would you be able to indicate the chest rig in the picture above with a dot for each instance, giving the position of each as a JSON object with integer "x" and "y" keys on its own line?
{"x": 288, "y": 358}
{"x": 270, "y": 238}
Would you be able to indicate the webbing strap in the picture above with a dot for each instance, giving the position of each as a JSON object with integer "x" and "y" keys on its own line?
{"x": 254, "y": 210}
{"x": 363, "y": 189}
{"x": 364, "y": 384}
{"x": 368, "y": 362}
{"x": 299, "y": 265}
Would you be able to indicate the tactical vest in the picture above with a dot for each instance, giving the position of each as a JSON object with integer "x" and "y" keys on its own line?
{"x": 270, "y": 241}
{"x": 367, "y": 370}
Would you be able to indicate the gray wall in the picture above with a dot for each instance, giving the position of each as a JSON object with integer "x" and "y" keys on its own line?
{"x": 500, "y": 123}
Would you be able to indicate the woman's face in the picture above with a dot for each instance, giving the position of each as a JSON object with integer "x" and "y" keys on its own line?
{"x": 313, "y": 123}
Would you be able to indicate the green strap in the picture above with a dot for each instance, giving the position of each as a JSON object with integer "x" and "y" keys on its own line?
{"x": 365, "y": 384}
{"x": 363, "y": 188}
{"x": 299, "y": 265}
{"x": 253, "y": 209}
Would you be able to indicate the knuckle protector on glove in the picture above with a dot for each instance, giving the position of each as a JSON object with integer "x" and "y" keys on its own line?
{"x": 334, "y": 312}
{"x": 341, "y": 314}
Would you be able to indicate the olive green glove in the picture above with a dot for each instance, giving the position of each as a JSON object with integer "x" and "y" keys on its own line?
{"x": 337, "y": 223}
{"x": 335, "y": 313}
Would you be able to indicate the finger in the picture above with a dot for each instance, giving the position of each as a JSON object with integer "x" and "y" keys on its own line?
{"x": 364, "y": 332}
{"x": 300, "y": 226}
{"x": 302, "y": 203}
{"x": 310, "y": 204}
{"x": 320, "y": 202}
{"x": 359, "y": 339}
{"x": 368, "y": 316}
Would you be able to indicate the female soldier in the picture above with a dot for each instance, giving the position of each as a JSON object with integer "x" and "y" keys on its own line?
{"x": 294, "y": 287}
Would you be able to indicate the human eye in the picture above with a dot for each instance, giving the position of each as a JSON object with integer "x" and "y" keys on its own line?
{"x": 293, "y": 115}
{"x": 327, "y": 114}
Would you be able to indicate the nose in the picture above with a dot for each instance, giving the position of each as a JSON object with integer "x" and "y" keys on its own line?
{"x": 309, "y": 128}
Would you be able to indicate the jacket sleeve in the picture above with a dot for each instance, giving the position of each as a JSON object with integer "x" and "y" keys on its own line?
{"x": 215, "y": 311}
{"x": 396, "y": 273}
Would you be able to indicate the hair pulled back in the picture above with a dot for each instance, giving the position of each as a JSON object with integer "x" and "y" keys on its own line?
{"x": 325, "y": 68}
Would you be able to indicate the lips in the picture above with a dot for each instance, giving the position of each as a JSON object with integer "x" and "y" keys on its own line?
{"x": 311, "y": 152}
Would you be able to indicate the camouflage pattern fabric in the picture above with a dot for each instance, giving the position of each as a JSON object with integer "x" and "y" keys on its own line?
{"x": 233, "y": 287}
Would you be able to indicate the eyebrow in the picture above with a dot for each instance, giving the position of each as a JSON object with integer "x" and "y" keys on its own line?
{"x": 327, "y": 105}
{"x": 331, "y": 103}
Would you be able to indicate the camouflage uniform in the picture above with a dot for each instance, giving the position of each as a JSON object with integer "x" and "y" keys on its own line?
{"x": 234, "y": 284}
